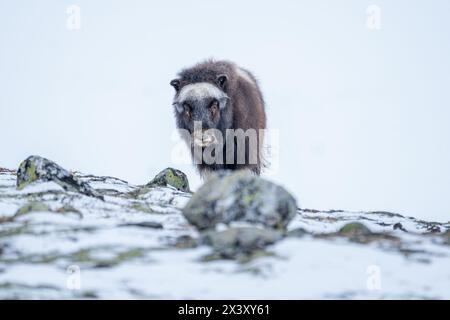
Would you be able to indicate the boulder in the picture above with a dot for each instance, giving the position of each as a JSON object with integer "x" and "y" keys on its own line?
{"x": 171, "y": 177}
{"x": 36, "y": 168}
{"x": 240, "y": 196}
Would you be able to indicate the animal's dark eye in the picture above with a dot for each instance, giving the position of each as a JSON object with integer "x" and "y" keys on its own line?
{"x": 222, "y": 80}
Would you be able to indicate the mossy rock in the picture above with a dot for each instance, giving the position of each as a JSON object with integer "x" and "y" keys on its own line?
{"x": 88, "y": 257}
{"x": 354, "y": 229}
{"x": 240, "y": 196}
{"x": 171, "y": 177}
{"x": 27, "y": 173}
{"x": 36, "y": 168}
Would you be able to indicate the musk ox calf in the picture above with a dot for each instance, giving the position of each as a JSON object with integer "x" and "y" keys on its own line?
{"x": 220, "y": 112}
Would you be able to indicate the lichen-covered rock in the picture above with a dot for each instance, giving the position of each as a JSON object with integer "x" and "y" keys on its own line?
{"x": 358, "y": 232}
{"x": 37, "y": 168}
{"x": 240, "y": 196}
{"x": 354, "y": 229}
{"x": 171, "y": 177}
{"x": 185, "y": 241}
{"x": 240, "y": 240}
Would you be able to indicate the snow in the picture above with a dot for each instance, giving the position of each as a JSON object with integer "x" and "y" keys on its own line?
{"x": 39, "y": 248}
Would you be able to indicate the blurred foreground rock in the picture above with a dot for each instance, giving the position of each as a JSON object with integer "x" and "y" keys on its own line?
{"x": 72, "y": 235}
{"x": 240, "y": 196}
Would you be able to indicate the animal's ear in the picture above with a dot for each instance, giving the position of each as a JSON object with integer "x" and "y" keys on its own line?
{"x": 222, "y": 80}
{"x": 176, "y": 84}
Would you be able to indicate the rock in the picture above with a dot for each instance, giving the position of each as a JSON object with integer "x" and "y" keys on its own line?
{"x": 399, "y": 226}
{"x": 240, "y": 240}
{"x": 358, "y": 232}
{"x": 433, "y": 228}
{"x": 171, "y": 177}
{"x": 354, "y": 229}
{"x": 240, "y": 196}
{"x": 35, "y": 206}
{"x": 185, "y": 241}
{"x": 37, "y": 168}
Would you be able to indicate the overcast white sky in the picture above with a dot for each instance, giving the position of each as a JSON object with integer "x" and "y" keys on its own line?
{"x": 363, "y": 115}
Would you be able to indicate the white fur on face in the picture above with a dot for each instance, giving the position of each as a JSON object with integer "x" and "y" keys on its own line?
{"x": 198, "y": 91}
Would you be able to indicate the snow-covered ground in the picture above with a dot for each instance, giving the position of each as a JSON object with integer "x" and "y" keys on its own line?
{"x": 67, "y": 245}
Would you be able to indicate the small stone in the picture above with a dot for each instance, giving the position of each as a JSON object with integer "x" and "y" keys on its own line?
{"x": 36, "y": 168}
{"x": 354, "y": 229}
{"x": 399, "y": 226}
{"x": 171, "y": 177}
{"x": 185, "y": 242}
{"x": 240, "y": 196}
{"x": 433, "y": 228}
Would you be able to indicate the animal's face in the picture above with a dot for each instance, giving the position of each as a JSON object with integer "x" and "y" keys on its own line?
{"x": 201, "y": 104}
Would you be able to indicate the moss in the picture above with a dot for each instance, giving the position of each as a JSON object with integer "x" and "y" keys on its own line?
{"x": 89, "y": 295}
{"x": 354, "y": 229}
{"x": 246, "y": 258}
{"x": 86, "y": 256}
{"x": 171, "y": 177}
{"x": 446, "y": 236}
{"x": 136, "y": 193}
{"x": 247, "y": 199}
{"x": 141, "y": 207}
{"x": 9, "y": 232}
{"x": 82, "y": 256}
{"x": 211, "y": 257}
{"x": 30, "y": 174}
{"x": 32, "y": 207}
{"x": 33, "y": 258}
{"x": 14, "y": 285}
{"x": 68, "y": 208}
